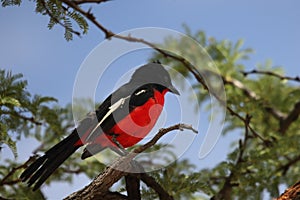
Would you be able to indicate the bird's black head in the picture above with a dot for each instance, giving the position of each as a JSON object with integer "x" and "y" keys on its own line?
{"x": 154, "y": 73}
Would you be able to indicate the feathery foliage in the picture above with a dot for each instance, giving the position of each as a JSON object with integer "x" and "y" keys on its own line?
{"x": 260, "y": 161}
{"x": 59, "y": 15}
{"x": 255, "y": 165}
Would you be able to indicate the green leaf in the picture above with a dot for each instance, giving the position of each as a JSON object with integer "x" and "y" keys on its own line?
{"x": 11, "y": 3}
{"x": 9, "y": 100}
{"x": 6, "y": 139}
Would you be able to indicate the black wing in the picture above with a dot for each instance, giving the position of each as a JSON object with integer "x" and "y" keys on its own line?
{"x": 117, "y": 106}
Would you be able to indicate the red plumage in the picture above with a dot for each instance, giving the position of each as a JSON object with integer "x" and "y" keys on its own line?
{"x": 126, "y": 116}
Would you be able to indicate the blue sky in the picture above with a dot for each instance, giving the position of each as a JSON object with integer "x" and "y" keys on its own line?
{"x": 50, "y": 64}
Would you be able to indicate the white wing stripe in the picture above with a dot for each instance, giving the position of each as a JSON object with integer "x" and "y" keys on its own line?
{"x": 140, "y": 92}
{"x": 112, "y": 108}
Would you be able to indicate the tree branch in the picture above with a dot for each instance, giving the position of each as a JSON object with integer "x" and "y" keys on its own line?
{"x": 293, "y": 116}
{"x": 133, "y": 186}
{"x": 78, "y": 2}
{"x": 5, "y": 180}
{"x": 25, "y": 118}
{"x": 190, "y": 67}
{"x": 161, "y": 133}
{"x": 90, "y": 16}
{"x": 226, "y": 190}
{"x": 291, "y": 193}
{"x": 252, "y": 95}
{"x": 72, "y": 171}
{"x": 284, "y": 168}
{"x": 57, "y": 20}
{"x": 254, "y": 71}
{"x": 101, "y": 184}
{"x": 125, "y": 162}
{"x": 151, "y": 182}
{"x": 108, "y": 34}
{"x": 284, "y": 120}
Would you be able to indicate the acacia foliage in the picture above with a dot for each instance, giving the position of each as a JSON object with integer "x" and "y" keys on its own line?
{"x": 260, "y": 160}
{"x": 266, "y": 154}
{"x": 23, "y": 115}
{"x": 59, "y": 15}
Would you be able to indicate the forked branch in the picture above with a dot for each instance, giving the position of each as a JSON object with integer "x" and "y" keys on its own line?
{"x": 99, "y": 187}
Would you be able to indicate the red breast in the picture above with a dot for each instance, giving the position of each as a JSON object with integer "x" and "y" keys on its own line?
{"x": 134, "y": 127}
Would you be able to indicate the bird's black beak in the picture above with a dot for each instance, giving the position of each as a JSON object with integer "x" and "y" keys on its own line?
{"x": 173, "y": 90}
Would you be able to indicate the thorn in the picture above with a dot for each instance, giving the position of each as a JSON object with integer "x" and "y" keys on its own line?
{"x": 89, "y": 11}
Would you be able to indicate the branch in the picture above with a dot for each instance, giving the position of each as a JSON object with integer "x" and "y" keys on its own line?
{"x": 190, "y": 67}
{"x": 133, "y": 186}
{"x": 252, "y": 95}
{"x": 101, "y": 184}
{"x": 284, "y": 120}
{"x": 284, "y": 168}
{"x": 291, "y": 193}
{"x": 266, "y": 142}
{"x": 5, "y": 180}
{"x": 78, "y": 2}
{"x": 148, "y": 180}
{"x": 30, "y": 119}
{"x": 293, "y": 116}
{"x": 72, "y": 171}
{"x": 57, "y": 20}
{"x": 151, "y": 182}
{"x": 254, "y": 71}
{"x": 104, "y": 181}
{"x": 161, "y": 133}
{"x": 25, "y": 118}
{"x": 225, "y": 191}
{"x": 109, "y": 34}
{"x": 90, "y": 16}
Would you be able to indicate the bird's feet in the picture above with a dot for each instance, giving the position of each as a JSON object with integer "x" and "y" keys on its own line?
{"x": 120, "y": 149}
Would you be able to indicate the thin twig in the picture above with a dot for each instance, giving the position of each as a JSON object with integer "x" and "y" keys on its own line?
{"x": 225, "y": 192}
{"x": 243, "y": 144}
{"x": 57, "y": 20}
{"x": 72, "y": 171}
{"x": 5, "y": 180}
{"x": 25, "y": 118}
{"x": 254, "y": 71}
{"x": 78, "y": 2}
{"x": 161, "y": 133}
{"x": 151, "y": 182}
{"x": 293, "y": 116}
{"x": 89, "y": 16}
{"x": 266, "y": 142}
{"x": 284, "y": 168}
{"x": 253, "y": 96}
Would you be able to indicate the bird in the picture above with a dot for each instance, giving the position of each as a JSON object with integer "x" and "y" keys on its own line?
{"x": 123, "y": 119}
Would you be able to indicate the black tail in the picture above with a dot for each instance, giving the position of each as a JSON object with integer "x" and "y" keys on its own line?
{"x": 44, "y": 166}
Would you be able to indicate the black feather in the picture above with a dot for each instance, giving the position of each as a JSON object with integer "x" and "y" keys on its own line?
{"x": 134, "y": 93}
{"x": 43, "y": 167}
